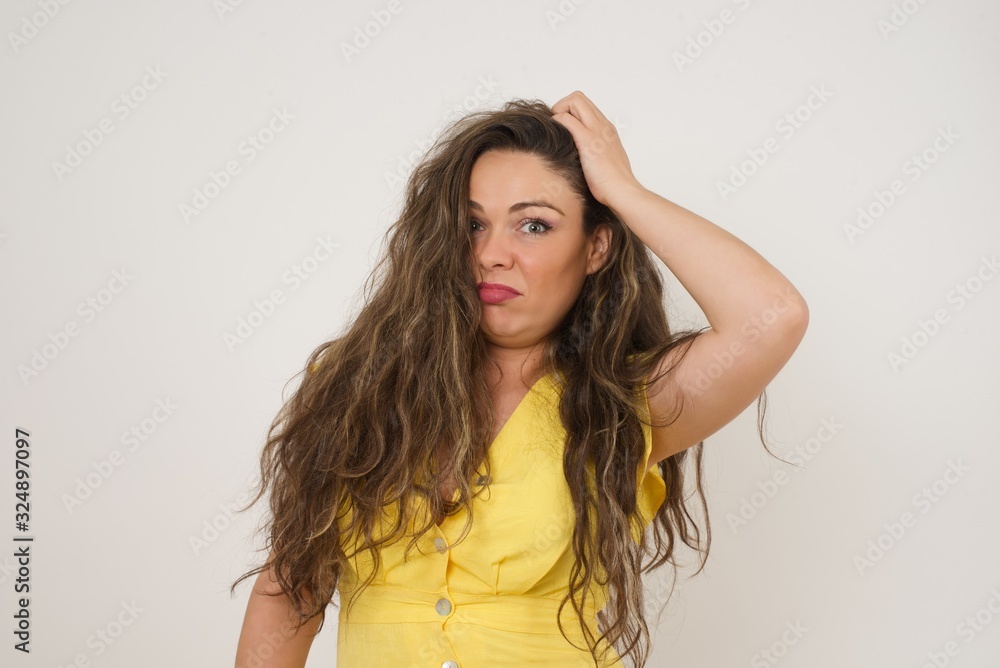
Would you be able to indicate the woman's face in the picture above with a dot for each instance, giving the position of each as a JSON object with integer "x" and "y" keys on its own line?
{"x": 527, "y": 233}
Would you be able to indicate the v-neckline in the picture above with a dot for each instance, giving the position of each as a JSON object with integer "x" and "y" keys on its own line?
{"x": 517, "y": 408}
{"x": 503, "y": 429}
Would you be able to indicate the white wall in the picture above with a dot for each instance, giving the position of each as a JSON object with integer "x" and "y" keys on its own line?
{"x": 66, "y": 233}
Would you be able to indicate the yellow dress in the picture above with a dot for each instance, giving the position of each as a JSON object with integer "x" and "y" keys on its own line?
{"x": 490, "y": 599}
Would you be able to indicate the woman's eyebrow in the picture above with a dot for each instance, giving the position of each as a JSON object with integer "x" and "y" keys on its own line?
{"x": 520, "y": 205}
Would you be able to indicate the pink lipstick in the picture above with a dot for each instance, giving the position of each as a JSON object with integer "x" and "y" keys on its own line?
{"x": 496, "y": 293}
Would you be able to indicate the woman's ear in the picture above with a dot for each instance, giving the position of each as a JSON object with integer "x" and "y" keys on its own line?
{"x": 599, "y": 248}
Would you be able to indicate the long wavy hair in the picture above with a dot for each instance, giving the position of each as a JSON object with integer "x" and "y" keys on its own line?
{"x": 386, "y": 409}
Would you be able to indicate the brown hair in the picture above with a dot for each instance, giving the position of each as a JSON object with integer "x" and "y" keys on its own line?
{"x": 364, "y": 427}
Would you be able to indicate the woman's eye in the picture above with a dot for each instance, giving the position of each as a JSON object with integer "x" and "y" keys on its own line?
{"x": 538, "y": 223}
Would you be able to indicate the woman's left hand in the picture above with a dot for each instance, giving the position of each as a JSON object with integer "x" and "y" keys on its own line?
{"x": 602, "y": 156}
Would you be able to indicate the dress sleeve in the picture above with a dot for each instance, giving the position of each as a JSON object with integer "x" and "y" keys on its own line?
{"x": 652, "y": 490}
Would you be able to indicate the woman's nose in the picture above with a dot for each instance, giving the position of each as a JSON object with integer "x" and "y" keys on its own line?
{"x": 492, "y": 247}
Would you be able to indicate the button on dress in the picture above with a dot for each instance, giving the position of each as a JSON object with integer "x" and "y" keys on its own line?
{"x": 491, "y": 598}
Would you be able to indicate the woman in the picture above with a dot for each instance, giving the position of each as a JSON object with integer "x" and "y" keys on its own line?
{"x": 515, "y": 366}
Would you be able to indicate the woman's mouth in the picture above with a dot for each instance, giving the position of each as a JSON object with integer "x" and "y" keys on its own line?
{"x": 496, "y": 293}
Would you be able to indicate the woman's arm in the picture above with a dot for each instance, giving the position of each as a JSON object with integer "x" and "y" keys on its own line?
{"x": 757, "y": 320}
{"x": 269, "y": 638}
{"x": 757, "y": 316}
